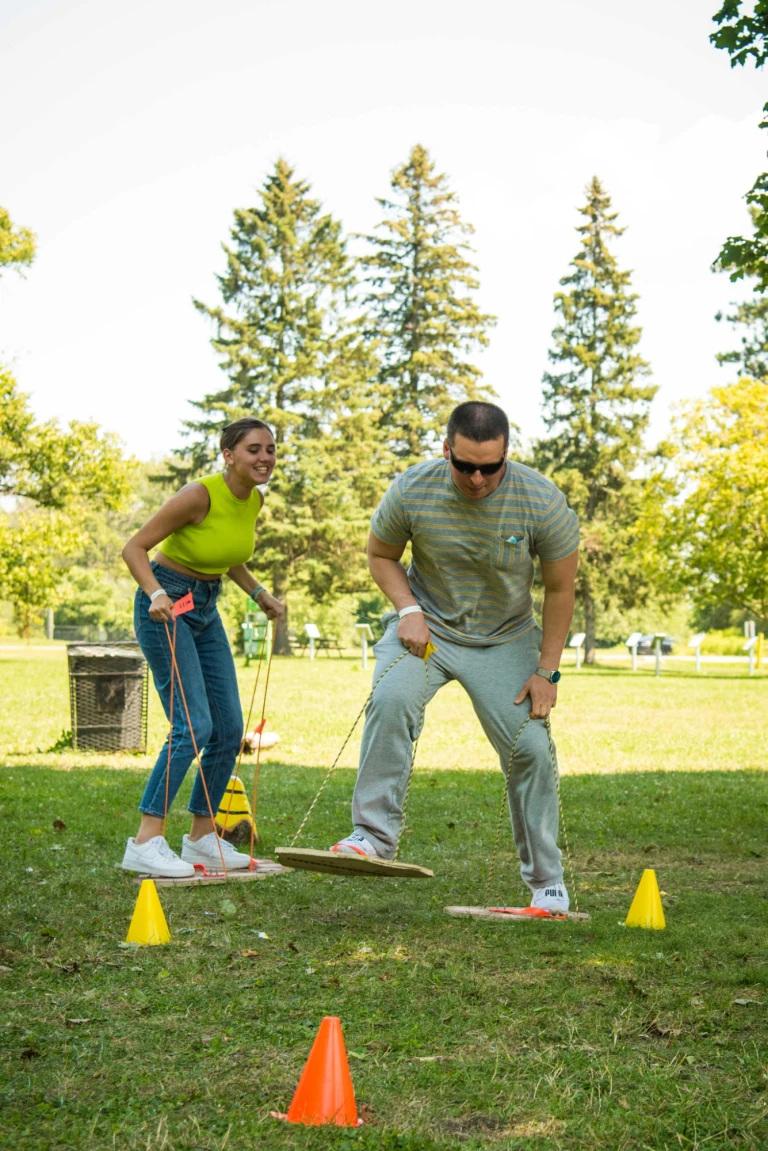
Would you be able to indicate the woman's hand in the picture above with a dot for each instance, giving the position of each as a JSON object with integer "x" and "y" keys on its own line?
{"x": 271, "y": 607}
{"x": 161, "y": 609}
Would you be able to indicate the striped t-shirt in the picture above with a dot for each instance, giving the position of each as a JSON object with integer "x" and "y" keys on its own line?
{"x": 472, "y": 565}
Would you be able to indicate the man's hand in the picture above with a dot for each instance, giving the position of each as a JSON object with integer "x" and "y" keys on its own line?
{"x": 271, "y": 607}
{"x": 543, "y": 696}
{"x": 413, "y": 633}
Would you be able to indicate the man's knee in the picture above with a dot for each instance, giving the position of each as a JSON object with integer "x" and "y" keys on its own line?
{"x": 400, "y": 693}
{"x": 531, "y": 745}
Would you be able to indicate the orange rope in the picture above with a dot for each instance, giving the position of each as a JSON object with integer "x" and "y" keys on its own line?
{"x": 194, "y": 745}
{"x": 245, "y": 731}
{"x": 170, "y": 729}
{"x": 258, "y": 748}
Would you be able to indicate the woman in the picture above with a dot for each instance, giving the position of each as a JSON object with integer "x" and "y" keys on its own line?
{"x": 204, "y": 531}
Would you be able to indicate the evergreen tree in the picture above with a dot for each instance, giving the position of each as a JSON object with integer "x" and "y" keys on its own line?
{"x": 596, "y": 411}
{"x": 294, "y": 360}
{"x": 751, "y": 319}
{"x": 420, "y": 307}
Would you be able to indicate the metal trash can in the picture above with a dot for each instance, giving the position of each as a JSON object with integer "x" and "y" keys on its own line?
{"x": 108, "y": 696}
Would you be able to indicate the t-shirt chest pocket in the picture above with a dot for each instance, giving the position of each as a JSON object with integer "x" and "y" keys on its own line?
{"x": 511, "y": 552}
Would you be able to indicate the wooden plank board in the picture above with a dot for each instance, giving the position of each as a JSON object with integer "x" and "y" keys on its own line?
{"x": 265, "y": 869}
{"x": 340, "y": 863}
{"x": 510, "y": 914}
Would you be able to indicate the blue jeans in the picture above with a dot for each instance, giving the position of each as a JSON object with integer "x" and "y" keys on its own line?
{"x": 208, "y": 676}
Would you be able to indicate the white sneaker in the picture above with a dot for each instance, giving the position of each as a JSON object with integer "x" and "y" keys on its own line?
{"x": 155, "y": 858}
{"x": 205, "y": 850}
{"x": 553, "y": 898}
{"x": 356, "y": 844}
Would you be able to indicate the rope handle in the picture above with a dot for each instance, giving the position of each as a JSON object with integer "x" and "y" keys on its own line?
{"x": 430, "y": 649}
{"x": 175, "y": 671}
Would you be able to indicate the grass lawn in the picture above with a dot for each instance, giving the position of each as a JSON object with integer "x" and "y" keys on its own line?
{"x": 460, "y": 1034}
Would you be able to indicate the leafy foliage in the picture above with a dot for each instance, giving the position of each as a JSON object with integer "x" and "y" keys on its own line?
{"x": 17, "y": 245}
{"x": 596, "y": 411}
{"x": 718, "y": 516}
{"x": 419, "y": 299}
{"x": 56, "y": 475}
{"x": 294, "y": 359}
{"x": 744, "y": 36}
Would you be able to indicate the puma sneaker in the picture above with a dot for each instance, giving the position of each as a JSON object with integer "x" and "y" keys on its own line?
{"x": 205, "y": 850}
{"x": 356, "y": 844}
{"x": 553, "y": 898}
{"x": 155, "y": 858}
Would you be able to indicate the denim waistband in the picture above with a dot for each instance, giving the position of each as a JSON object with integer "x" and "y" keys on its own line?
{"x": 168, "y": 575}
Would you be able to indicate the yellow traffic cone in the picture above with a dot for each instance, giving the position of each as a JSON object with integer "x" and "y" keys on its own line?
{"x": 646, "y": 909}
{"x": 235, "y": 809}
{"x": 148, "y": 925}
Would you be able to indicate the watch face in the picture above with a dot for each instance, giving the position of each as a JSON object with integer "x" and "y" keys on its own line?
{"x": 555, "y": 677}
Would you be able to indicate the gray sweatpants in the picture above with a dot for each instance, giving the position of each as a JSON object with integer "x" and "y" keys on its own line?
{"x": 492, "y": 678}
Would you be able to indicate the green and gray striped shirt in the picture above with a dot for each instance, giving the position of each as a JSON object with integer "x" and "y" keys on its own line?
{"x": 472, "y": 564}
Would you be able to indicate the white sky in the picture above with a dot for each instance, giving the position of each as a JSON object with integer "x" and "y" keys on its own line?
{"x": 131, "y": 131}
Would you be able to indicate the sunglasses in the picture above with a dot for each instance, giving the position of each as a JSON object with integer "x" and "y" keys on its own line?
{"x": 470, "y": 469}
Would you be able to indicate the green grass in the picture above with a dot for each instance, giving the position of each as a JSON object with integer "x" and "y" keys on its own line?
{"x": 461, "y": 1034}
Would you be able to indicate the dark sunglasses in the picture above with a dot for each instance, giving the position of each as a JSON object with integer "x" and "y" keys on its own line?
{"x": 470, "y": 469}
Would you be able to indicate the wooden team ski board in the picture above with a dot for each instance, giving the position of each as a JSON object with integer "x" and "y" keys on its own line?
{"x": 510, "y": 914}
{"x": 265, "y": 869}
{"x": 340, "y": 863}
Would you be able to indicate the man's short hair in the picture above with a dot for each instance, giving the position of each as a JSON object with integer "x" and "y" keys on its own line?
{"x": 478, "y": 421}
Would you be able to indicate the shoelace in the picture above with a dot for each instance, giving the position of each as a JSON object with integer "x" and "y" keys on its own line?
{"x": 162, "y": 848}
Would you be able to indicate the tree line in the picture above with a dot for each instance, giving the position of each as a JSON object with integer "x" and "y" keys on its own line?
{"x": 355, "y": 349}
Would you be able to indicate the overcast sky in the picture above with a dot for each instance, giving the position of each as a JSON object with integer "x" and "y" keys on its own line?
{"x": 131, "y": 131}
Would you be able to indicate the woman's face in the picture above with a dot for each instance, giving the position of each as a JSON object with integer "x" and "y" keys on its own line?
{"x": 253, "y": 458}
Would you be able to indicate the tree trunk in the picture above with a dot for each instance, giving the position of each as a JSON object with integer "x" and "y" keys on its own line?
{"x": 589, "y": 626}
{"x": 280, "y": 644}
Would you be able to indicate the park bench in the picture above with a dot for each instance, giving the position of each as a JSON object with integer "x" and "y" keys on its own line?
{"x": 318, "y": 642}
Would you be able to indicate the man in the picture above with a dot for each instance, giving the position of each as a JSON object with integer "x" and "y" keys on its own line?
{"x": 476, "y": 521}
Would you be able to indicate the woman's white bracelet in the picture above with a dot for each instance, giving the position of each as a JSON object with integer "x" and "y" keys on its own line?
{"x": 155, "y": 594}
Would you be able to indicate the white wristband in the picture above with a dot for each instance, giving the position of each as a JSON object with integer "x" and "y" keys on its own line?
{"x": 155, "y": 594}
{"x": 408, "y": 610}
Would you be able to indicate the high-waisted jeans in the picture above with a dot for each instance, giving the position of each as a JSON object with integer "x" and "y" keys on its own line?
{"x": 208, "y": 676}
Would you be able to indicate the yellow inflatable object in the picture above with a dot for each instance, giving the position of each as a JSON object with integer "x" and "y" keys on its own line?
{"x": 234, "y": 808}
{"x": 646, "y": 909}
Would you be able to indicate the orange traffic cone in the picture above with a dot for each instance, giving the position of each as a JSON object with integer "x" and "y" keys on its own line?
{"x": 325, "y": 1093}
{"x": 148, "y": 924}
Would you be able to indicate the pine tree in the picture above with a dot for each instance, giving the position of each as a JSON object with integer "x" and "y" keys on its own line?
{"x": 420, "y": 307}
{"x": 751, "y": 319}
{"x": 294, "y": 360}
{"x": 596, "y": 411}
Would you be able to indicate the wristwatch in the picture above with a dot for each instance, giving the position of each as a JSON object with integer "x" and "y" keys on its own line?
{"x": 552, "y": 676}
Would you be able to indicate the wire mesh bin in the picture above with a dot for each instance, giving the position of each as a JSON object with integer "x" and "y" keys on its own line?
{"x": 108, "y": 696}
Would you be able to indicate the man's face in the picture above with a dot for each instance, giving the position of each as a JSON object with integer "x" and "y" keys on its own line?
{"x": 476, "y": 486}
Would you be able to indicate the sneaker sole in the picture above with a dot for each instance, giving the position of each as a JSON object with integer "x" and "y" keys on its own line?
{"x": 265, "y": 870}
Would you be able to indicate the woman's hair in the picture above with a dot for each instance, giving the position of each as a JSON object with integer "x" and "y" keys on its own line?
{"x": 233, "y": 433}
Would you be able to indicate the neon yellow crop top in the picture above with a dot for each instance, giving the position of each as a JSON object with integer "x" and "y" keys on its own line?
{"x": 224, "y": 539}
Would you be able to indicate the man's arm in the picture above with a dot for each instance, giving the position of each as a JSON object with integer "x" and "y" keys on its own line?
{"x": 559, "y": 579}
{"x": 390, "y": 576}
